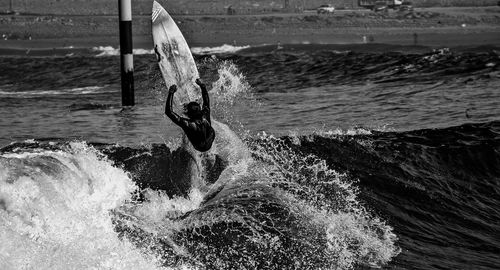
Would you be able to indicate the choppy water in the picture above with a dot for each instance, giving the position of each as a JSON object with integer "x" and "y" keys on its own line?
{"x": 372, "y": 156}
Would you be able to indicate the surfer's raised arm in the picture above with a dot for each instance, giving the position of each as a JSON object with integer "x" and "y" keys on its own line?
{"x": 168, "y": 106}
{"x": 204, "y": 95}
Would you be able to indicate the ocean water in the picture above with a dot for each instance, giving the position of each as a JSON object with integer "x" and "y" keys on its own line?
{"x": 327, "y": 157}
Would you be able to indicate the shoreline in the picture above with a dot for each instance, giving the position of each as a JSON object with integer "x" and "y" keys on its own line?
{"x": 433, "y": 27}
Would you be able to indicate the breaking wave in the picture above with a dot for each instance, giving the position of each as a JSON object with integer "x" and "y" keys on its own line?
{"x": 217, "y": 50}
{"x": 55, "y": 205}
{"x": 44, "y": 93}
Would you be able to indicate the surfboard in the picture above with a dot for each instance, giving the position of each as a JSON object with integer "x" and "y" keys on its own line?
{"x": 174, "y": 57}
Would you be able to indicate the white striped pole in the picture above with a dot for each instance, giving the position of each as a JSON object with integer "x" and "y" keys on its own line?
{"x": 127, "y": 59}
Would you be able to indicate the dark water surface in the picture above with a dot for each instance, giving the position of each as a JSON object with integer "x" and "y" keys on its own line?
{"x": 372, "y": 157}
{"x": 301, "y": 89}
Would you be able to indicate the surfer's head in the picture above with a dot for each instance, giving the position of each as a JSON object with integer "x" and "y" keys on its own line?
{"x": 193, "y": 110}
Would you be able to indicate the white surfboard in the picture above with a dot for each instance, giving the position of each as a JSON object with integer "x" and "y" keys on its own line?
{"x": 174, "y": 57}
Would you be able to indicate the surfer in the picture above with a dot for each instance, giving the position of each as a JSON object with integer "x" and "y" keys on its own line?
{"x": 197, "y": 126}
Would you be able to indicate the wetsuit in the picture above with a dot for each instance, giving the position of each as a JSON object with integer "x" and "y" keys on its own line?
{"x": 199, "y": 130}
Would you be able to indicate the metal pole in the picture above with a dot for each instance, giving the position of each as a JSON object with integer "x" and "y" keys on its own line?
{"x": 126, "y": 54}
{"x": 10, "y": 5}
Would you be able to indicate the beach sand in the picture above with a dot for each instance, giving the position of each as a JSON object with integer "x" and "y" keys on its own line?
{"x": 435, "y": 27}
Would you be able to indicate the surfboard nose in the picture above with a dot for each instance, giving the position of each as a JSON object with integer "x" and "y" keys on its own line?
{"x": 156, "y": 10}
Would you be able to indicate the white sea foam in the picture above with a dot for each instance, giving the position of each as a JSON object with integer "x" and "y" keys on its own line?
{"x": 70, "y": 91}
{"x": 158, "y": 206}
{"x": 354, "y": 235}
{"x": 55, "y": 212}
{"x": 110, "y": 51}
{"x": 230, "y": 88}
{"x": 342, "y": 132}
{"x": 355, "y": 131}
{"x": 217, "y": 50}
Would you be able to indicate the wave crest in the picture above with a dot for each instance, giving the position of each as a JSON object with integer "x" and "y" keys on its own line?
{"x": 55, "y": 206}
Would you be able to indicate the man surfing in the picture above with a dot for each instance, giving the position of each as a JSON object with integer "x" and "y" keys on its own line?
{"x": 197, "y": 127}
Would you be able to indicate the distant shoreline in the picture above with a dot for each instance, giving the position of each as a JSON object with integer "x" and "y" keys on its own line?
{"x": 433, "y": 27}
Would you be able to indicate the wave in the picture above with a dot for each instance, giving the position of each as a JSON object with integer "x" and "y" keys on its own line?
{"x": 304, "y": 199}
{"x": 105, "y": 51}
{"x": 326, "y": 65}
{"x": 110, "y": 51}
{"x": 55, "y": 210}
{"x": 437, "y": 186}
{"x": 91, "y": 106}
{"x": 59, "y": 52}
{"x": 223, "y": 49}
{"x": 337, "y": 199}
{"x": 226, "y": 49}
{"x": 285, "y": 210}
{"x": 44, "y": 93}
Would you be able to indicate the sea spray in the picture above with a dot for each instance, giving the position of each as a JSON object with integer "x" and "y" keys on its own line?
{"x": 231, "y": 84}
{"x": 154, "y": 223}
{"x": 230, "y": 91}
{"x": 285, "y": 210}
{"x": 55, "y": 210}
{"x": 354, "y": 235}
{"x": 158, "y": 206}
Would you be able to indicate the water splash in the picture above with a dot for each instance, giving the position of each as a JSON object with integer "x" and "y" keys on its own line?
{"x": 55, "y": 211}
{"x": 354, "y": 235}
{"x": 231, "y": 84}
{"x": 231, "y": 90}
{"x": 285, "y": 210}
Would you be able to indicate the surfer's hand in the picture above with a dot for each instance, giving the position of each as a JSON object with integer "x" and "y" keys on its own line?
{"x": 172, "y": 89}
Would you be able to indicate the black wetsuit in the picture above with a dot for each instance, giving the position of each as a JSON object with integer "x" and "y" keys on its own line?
{"x": 199, "y": 131}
